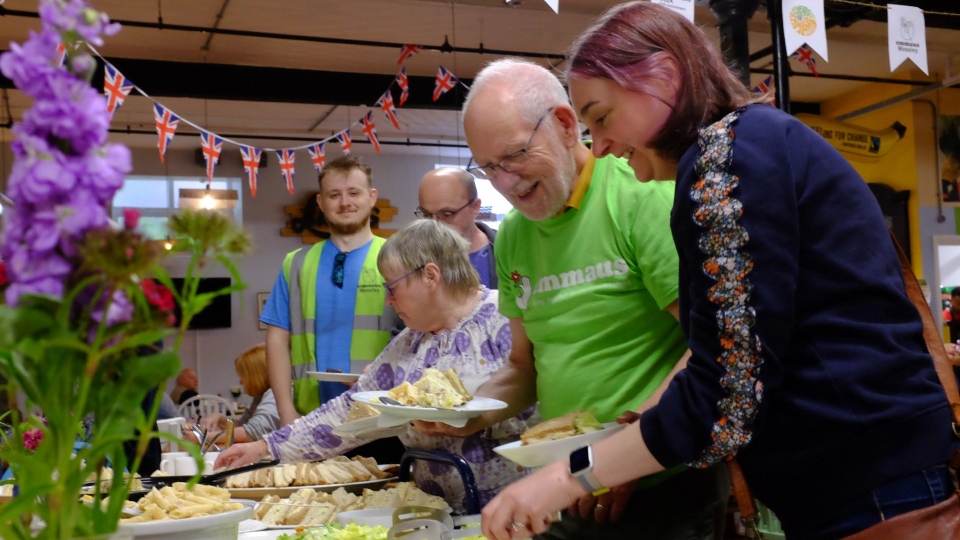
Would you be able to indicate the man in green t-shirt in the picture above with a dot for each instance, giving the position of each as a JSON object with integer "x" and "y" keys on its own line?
{"x": 588, "y": 278}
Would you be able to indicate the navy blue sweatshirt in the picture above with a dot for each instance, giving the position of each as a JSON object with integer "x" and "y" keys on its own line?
{"x": 808, "y": 358}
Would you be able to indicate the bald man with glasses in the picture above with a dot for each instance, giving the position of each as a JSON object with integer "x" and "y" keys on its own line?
{"x": 449, "y": 195}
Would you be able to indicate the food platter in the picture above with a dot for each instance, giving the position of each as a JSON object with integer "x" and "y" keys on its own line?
{"x": 545, "y": 453}
{"x": 348, "y": 378}
{"x": 395, "y": 415}
{"x": 366, "y": 429}
{"x": 214, "y": 526}
{"x": 357, "y": 488}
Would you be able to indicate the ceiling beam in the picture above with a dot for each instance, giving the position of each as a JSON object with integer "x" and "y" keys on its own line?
{"x": 269, "y": 84}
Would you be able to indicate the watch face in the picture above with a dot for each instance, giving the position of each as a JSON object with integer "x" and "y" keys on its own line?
{"x": 580, "y": 460}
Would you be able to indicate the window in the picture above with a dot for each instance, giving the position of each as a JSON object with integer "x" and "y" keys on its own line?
{"x": 494, "y": 206}
{"x": 157, "y": 197}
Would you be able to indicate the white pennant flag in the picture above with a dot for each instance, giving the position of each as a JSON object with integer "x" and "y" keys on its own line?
{"x": 907, "y": 36}
{"x": 554, "y": 5}
{"x": 683, "y": 7}
{"x": 803, "y": 22}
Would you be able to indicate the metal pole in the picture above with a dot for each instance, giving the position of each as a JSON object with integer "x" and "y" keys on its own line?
{"x": 781, "y": 66}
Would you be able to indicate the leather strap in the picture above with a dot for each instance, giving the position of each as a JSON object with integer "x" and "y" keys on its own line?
{"x": 931, "y": 336}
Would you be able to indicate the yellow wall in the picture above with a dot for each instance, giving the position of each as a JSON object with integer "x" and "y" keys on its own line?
{"x": 898, "y": 169}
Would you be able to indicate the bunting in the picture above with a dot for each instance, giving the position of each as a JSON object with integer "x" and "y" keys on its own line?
{"x": 251, "y": 164}
{"x": 317, "y": 156}
{"x": 286, "y": 166}
{"x": 804, "y": 23}
{"x": 211, "y": 146}
{"x": 444, "y": 83}
{"x": 764, "y": 86}
{"x": 370, "y": 130}
{"x": 167, "y": 123}
{"x": 116, "y": 87}
{"x": 344, "y": 139}
{"x": 404, "y": 85}
{"x": 805, "y": 55}
{"x": 62, "y": 51}
{"x": 386, "y": 104}
{"x": 407, "y": 51}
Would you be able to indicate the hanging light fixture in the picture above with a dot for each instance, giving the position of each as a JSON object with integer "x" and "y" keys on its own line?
{"x": 208, "y": 199}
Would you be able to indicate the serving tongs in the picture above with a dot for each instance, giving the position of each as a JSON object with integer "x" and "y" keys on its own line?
{"x": 214, "y": 479}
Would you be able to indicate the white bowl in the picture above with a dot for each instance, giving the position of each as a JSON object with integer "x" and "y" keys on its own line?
{"x": 224, "y": 526}
{"x": 545, "y": 453}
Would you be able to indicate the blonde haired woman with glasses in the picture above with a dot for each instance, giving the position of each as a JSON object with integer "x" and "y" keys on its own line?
{"x": 452, "y": 323}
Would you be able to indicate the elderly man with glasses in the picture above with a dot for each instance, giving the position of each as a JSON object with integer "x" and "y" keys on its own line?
{"x": 589, "y": 280}
{"x": 449, "y": 195}
{"x": 326, "y": 311}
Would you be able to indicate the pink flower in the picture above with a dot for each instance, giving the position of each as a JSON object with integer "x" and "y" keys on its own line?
{"x": 158, "y": 295}
{"x": 32, "y": 438}
{"x": 131, "y": 218}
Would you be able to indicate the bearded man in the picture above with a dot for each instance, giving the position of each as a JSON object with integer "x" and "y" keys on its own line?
{"x": 326, "y": 310}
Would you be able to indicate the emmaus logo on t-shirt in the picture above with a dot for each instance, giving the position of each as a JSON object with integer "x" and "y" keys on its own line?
{"x": 564, "y": 280}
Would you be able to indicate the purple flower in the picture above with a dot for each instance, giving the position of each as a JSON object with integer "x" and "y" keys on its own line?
{"x": 120, "y": 310}
{"x": 49, "y": 286}
{"x": 81, "y": 213}
{"x": 43, "y": 234}
{"x": 73, "y": 114}
{"x": 103, "y": 171}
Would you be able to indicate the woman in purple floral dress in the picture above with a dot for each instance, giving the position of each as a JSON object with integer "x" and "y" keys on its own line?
{"x": 452, "y": 323}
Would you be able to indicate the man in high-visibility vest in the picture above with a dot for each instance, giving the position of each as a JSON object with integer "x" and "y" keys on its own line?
{"x": 326, "y": 310}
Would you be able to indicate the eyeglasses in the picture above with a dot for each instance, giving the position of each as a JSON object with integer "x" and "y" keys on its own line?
{"x": 443, "y": 215}
{"x": 337, "y": 276}
{"x": 512, "y": 163}
{"x": 389, "y": 286}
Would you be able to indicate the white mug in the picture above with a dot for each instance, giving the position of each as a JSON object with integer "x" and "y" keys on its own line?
{"x": 185, "y": 466}
{"x": 208, "y": 460}
{"x": 173, "y": 426}
{"x": 167, "y": 461}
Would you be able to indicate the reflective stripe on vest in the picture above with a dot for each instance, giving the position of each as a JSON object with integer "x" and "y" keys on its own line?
{"x": 372, "y": 320}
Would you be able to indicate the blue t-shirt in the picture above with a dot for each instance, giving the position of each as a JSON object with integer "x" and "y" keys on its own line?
{"x": 480, "y": 260}
{"x": 334, "y": 317}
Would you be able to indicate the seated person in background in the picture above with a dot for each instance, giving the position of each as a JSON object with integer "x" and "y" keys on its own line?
{"x": 951, "y": 315}
{"x": 261, "y": 417}
{"x": 452, "y": 323}
{"x": 187, "y": 383}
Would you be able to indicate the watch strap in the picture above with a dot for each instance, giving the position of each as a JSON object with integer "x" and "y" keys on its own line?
{"x": 590, "y": 483}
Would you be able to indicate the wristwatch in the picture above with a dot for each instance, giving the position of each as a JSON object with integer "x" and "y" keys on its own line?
{"x": 581, "y": 467}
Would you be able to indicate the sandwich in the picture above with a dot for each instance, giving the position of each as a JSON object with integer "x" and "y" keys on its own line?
{"x": 576, "y": 423}
{"x": 434, "y": 389}
{"x": 359, "y": 411}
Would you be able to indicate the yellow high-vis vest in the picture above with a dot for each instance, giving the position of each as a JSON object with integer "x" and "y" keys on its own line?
{"x": 372, "y": 319}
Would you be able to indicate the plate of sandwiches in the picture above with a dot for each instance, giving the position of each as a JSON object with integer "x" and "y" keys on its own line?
{"x": 436, "y": 397}
{"x": 307, "y": 507}
{"x": 353, "y": 475}
{"x": 554, "y": 439}
{"x": 362, "y": 425}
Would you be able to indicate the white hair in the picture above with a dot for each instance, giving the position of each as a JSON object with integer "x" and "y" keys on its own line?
{"x": 424, "y": 241}
{"x": 535, "y": 88}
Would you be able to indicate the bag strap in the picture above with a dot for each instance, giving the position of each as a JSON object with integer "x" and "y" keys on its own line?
{"x": 931, "y": 336}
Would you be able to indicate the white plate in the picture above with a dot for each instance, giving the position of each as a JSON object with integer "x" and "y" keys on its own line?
{"x": 263, "y": 535}
{"x": 251, "y": 525}
{"x": 213, "y": 526}
{"x": 366, "y": 429}
{"x": 334, "y": 377}
{"x": 353, "y": 487}
{"x": 545, "y": 453}
{"x": 394, "y": 415}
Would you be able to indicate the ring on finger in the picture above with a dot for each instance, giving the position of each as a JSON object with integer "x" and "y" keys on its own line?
{"x": 517, "y": 526}
{"x": 600, "y": 506}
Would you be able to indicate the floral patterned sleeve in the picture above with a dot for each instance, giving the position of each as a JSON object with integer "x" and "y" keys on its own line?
{"x": 311, "y": 437}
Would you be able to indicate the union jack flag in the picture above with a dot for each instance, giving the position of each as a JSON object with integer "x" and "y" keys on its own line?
{"x": 317, "y": 156}
{"x": 211, "y": 146}
{"x": 167, "y": 123}
{"x": 116, "y": 87}
{"x": 386, "y": 103}
{"x": 764, "y": 86}
{"x": 404, "y": 85}
{"x": 286, "y": 166}
{"x": 251, "y": 164}
{"x": 444, "y": 83}
{"x": 805, "y": 55}
{"x": 408, "y": 51}
{"x": 62, "y": 51}
{"x": 344, "y": 138}
{"x": 370, "y": 130}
